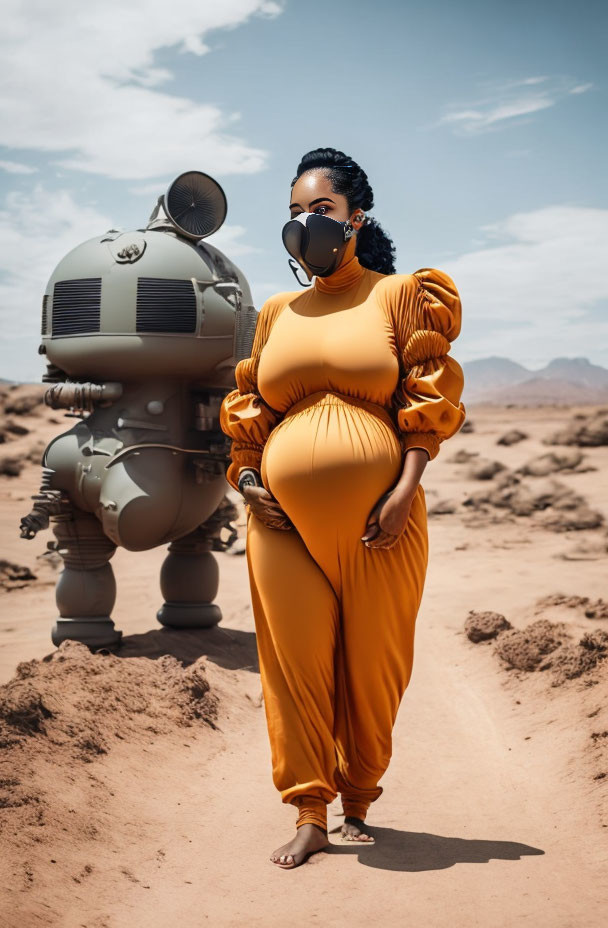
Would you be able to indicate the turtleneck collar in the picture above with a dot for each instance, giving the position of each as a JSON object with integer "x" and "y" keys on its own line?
{"x": 348, "y": 273}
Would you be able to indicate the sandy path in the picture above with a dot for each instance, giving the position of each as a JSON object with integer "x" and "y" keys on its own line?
{"x": 490, "y": 814}
{"x": 476, "y": 826}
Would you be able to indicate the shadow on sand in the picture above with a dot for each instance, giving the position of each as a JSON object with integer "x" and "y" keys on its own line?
{"x": 412, "y": 851}
{"x": 230, "y": 648}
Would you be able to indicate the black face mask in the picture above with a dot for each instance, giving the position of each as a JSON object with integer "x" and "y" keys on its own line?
{"x": 317, "y": 243}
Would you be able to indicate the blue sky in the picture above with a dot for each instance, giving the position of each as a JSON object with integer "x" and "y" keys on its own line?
{"x": 482, "y": 127}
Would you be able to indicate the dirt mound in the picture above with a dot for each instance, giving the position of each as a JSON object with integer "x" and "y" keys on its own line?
{"x": 11, "y": 465}
{"x": 586, "y": 431}
{"x": 561, "y": 599}
{"x": 574, "y": 660}
{"x": 14, "y": 576}
{"x": 10, "y": 428}
{"x": 22, "y": 442}
{"x": 523, "y": 497}
{"x": 482, "y": 626}
{"x": 542, "y": 645}
{"x": 24, "y": 399}
{"x": 67, "y": 709}
{"x": 525, "y": 648}
{"x": 512, "y": 437}
{"x": 484, "y": 469}
{"x": 442, "y": 507}
{"x": 588, "y": 549}
{"x": 552, "y": 463}
{"x": 75, "y": 693}
{"x": 576, "y": 519}
{"x": 597, "y": 609}
{"x": 463, "y": 456}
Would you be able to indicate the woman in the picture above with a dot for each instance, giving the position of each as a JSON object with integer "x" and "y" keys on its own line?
{"x": 347, "y": 394}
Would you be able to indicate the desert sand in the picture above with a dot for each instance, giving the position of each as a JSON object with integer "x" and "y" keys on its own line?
{"x": 135, "y": 785}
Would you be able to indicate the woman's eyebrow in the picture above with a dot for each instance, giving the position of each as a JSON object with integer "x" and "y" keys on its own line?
{"x": 313, "y": 202}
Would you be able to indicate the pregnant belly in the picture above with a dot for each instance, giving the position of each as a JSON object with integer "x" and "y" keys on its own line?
{"x": 330, "y": 459}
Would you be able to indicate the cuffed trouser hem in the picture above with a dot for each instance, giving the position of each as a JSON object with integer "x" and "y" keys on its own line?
{"x": 311, "y": 811}
{"x": 354, "y": 809}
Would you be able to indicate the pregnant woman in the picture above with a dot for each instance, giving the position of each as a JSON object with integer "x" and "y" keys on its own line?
{"x": 347, "y": 395}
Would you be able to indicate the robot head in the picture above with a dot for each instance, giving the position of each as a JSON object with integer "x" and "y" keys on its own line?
{"x": 152, "y": 301}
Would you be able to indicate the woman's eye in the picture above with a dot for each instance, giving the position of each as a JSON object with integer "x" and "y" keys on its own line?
{"x": 319, "y": 209}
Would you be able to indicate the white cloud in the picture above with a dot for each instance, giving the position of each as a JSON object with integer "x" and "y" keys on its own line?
{"x": 230, "y": 240}
{"x": 478, "y": 120}
{"x": 15, "y": 167}
{"x": 36, "y": 230}
{"x": 151, "y": 190}
{"x": 532, "y": 80}
{"x": 506, "y": 104}
{"x": 80, "y": 82}
{"x": 535, "y": 296}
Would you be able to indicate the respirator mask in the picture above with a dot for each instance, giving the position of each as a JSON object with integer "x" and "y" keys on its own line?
{"x": 317, "y": 243}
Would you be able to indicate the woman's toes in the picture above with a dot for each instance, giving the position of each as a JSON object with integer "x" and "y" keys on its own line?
{"x": 361, "y": 836}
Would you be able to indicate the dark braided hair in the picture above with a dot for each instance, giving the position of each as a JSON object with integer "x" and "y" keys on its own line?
{"x": 375, "y": 250}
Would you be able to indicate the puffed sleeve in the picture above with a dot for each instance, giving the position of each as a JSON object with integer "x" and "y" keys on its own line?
{"x": 244, "y": 416}
{"x": 427, "y": 400}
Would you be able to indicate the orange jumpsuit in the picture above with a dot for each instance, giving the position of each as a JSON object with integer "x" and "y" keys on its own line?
{"x": 343, "y": 378}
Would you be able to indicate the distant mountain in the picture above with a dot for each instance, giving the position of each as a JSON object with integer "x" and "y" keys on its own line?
{"x": 562, "y": 381}
{"x": 541, "y": 391}
{"x": 492, "y": 373}
{"x": 575, "y": 370}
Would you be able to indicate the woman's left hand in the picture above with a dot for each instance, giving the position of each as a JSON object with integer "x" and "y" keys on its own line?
{"x": 388, "y": 519}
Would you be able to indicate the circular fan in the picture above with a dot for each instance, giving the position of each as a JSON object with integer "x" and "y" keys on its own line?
{"x": 196, "y": 204}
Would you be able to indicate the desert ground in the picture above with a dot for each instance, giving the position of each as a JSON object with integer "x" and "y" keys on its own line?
{"x": 135, "y": 784}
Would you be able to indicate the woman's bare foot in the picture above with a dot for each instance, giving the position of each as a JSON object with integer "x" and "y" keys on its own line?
{"x": 308, "y": 840}
{"x": 353, "y": 829}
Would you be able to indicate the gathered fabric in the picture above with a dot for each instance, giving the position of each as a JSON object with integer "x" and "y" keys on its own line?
{"x": 343, "y": 379}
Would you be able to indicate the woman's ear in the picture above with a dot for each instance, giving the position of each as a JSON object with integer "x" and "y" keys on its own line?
{"x": 357, "y": 219}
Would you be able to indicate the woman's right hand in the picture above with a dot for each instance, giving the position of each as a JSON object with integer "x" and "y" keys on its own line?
{"x": 266, "y": 508}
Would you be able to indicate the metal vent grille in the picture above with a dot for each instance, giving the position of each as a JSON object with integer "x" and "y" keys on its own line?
{"x": 76, "y": 306}
{"x": 244, "y": 331}
{"x": 165, "y": 305}
{"x": 45, "y": 301}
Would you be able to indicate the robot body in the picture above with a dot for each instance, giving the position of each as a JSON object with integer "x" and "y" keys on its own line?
{"x": 142, "y": 331}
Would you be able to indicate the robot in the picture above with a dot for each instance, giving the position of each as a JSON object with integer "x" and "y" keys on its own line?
{"x": 142, "y": 331}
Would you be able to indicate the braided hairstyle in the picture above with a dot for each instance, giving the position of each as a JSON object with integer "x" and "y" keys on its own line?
{"x": 375, "y": 250}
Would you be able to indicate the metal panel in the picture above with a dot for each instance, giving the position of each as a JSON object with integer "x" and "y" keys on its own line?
{"x": 76, "y": 306}
{"x": 165, "y": 305}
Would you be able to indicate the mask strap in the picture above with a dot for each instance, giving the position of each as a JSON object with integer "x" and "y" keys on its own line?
{"x": 295, "y": 267}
